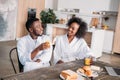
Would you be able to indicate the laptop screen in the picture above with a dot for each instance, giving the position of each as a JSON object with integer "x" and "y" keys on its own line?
{"x": 117, "y": 71}
{"x": 113, "y": 71}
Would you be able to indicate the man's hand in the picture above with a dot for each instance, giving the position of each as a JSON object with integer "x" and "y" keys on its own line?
{"x": 43, "y": 46}
{"x": 60, "y": 61}
{"x": 38, "y": 60}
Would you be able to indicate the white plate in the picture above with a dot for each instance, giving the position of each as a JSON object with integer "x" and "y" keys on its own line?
{"x": 94, "y": 74}
{"x": 79, "y": 77}
{"x": 82, "y": 74}
{"x": 95, "y": 68}
{"x": 62, "y": 77}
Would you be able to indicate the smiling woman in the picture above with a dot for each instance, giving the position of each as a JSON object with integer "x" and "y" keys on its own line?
{"x": 72, "y": 46}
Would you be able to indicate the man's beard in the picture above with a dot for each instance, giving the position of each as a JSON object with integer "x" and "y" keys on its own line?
{"x": 38, "y": 34}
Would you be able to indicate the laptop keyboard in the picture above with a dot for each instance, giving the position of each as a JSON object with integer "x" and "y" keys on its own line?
{"x": 112, "y": 71}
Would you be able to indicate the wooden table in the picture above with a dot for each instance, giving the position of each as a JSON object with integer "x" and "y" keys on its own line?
{"x": 52, "y": 73}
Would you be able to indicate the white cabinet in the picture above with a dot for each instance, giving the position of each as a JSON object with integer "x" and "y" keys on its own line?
{"x": 108, "y": 41}
{"x": 94, "y": 37}
{"x": 97, "y": 39}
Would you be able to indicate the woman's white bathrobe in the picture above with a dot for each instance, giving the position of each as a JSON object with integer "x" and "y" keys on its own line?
{"x": 65, "y": 51}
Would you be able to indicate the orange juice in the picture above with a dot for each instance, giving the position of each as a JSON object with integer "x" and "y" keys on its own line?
{"x": 87, "y": 61}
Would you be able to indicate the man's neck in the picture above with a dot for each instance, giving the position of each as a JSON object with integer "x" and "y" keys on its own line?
{"x": 33, "y": 36}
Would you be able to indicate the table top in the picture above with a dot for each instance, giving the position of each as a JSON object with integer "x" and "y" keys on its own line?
{"x": 53, "y": 72}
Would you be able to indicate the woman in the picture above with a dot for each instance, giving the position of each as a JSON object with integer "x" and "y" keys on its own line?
{"x": 72, "y": 45}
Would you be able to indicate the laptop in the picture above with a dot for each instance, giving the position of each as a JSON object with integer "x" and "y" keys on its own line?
{"x": 113, "y": 71}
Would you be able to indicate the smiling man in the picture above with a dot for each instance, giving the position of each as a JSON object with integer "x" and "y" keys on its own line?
{"x": 34, "y": 50}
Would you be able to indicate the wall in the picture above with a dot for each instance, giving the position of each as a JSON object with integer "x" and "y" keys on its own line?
{"x": 8, "y": 16}
{"x": 88, "y": 6}
{"x": 51, "y": 4}
{"x": 23, "y": 6}
{"x": 84, "y": 5}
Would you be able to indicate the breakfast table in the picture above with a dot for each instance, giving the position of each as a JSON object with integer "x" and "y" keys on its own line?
{"x": 53, "y": 72}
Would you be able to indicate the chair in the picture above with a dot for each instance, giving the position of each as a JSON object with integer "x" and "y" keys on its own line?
{"x": 52, "y": 57}
{"x": 13, "y": 65}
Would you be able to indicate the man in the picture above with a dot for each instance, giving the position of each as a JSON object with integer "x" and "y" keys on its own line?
{"x": 34, "y": 50}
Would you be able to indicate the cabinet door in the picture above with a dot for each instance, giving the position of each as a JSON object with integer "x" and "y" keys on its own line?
{"x": 88, "y": 38}
{"x": 116, "y": 46}
{"x": 97, "y": 42}
{"x": 108, "y": 41}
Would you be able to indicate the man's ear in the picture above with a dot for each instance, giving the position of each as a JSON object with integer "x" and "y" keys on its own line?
{"x": 30, "y": 30}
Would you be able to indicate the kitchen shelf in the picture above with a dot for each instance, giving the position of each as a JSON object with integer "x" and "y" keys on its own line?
{"x": 103, "y": 13}
{"x": 78, "y": 14}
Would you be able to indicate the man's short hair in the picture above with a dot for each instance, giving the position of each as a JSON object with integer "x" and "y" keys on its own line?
{"x": 30, "y": 22}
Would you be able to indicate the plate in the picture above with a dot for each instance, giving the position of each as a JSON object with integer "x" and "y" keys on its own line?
{"x": 95, "y": 68}
{"x": 79, "y": 77}
{"x": 94, "y": 74}
{"x": 62, "y": 77}
{"x": 82, "y": 74}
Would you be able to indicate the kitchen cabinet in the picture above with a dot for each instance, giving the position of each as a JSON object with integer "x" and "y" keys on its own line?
{"x": 93, "y": 37}
{"x": 116, "y": 43}
{"x": 108, "y": 41}
{"x": 97, "y": 40}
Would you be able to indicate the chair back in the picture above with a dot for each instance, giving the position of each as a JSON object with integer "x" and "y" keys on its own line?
{"x": 13, "y": 65}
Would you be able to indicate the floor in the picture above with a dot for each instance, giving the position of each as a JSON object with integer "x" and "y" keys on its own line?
{"x": 6, "y": 67}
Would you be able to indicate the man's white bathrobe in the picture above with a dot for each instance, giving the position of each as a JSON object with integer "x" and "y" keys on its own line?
{"x": 65, "y": 51}
{"x": 26, "y": 45}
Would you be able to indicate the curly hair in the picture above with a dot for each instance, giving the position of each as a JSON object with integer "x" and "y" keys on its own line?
{"x": 82, "y": 26}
